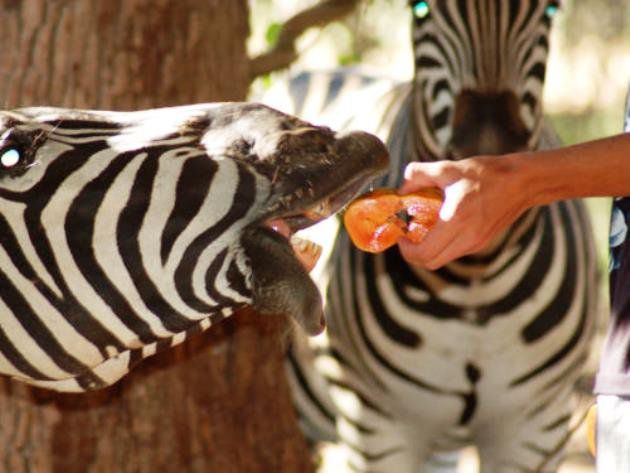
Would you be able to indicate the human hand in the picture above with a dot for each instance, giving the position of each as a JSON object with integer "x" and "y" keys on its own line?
{"x": 482, "y": 196}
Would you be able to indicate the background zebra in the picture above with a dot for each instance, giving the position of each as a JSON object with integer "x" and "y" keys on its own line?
{"x": 485, "y": 350}
{"x": 124, "y": 233}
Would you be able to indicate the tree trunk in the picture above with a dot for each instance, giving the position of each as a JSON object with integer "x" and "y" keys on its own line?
{"x": 220, "y": 402}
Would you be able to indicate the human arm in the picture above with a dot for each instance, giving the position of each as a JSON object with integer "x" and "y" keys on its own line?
{"x": 484, "y": 194}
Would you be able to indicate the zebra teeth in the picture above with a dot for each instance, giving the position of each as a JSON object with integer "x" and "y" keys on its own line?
{"x": 306, "y": 251}
{"x": 321, "y": 210}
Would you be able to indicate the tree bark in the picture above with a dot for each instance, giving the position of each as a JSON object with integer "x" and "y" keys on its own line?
{"x": 220, "y": 402}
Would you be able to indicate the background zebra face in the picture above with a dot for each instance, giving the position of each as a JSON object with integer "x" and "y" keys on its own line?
{"x": 480, "y": 66}
{"x": 120, "y": 230}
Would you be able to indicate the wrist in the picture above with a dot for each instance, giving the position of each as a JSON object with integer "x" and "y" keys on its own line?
{"x": 518, "y": 178}
{"x": 539, "y": 180}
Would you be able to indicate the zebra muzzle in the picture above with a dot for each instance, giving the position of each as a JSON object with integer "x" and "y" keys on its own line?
{"x": 312, "y": 178}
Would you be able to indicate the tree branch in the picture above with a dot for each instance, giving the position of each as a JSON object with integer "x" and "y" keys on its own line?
{"x": 284, "y": 53}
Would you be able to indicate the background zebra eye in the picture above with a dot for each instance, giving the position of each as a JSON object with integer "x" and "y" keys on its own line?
{"x": 421, "y": 9}
{"x": 10, "y": 157}
{"x": 551, "y": 10}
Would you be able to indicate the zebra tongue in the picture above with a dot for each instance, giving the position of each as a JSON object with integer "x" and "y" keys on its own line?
{"x": 306, "y": 251}
{"x": 280, "y": 226}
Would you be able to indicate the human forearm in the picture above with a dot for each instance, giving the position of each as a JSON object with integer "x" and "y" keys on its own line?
{"x": 595, "y": 168}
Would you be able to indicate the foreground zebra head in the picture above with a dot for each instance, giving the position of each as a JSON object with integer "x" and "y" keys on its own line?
{"x": 480, "y": 66}
{"x": 123, "y": 232}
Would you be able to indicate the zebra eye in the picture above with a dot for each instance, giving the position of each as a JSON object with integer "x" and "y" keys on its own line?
{"x": 10, "y": 157}
{"x": 421, "y": 9}
{"x": 551, "y": 10}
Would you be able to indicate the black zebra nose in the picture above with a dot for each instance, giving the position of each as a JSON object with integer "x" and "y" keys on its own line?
{"x": 359, "y": 143}
{"x": 487, "y": 123}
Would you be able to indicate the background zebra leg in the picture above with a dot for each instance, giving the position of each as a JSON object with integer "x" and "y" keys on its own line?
{"x": 386, "y": 448}
{"x": 393, "y": 448}
{"x": 529, "y": 442}
{"x": 370, "y": 439}
{"x": 517, "y": 455}
{"x": 442, "y": 462}
{"x": 309, "y": 390}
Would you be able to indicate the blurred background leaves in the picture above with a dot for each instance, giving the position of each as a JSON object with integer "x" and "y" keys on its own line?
{"x": 589, "y": 64}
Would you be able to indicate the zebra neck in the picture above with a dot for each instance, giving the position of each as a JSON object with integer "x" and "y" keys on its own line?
{"x": 418, "y": 150}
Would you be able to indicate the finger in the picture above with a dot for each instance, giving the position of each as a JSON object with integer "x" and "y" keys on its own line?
{"x": 417, "y": 176}
{"x": 456, "y": 249}
{"x": 413, "y": 253}
{"x": 466, "y": 244}
{"x": 431, "y": 246}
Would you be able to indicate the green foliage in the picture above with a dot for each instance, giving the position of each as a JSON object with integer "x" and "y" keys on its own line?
{"x": 348, "y": 59}
{"x": 585, "y": 126}
{"x": 609, "y": 18}
{"x": 590, "y": 124}
{"x": 272, "y": 34}
{"x": 599, "y": 210}
{"x": 266, "y": 81}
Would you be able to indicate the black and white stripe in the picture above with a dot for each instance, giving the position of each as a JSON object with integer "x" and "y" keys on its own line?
{"x": 123, "y": 233}
{"x": 484, "y": 351}
{"x": 100, "y": 267}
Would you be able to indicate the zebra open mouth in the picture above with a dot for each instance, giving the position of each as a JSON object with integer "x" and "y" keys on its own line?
{"x": 307, "y": 251}
{"x": 280, "y": 260}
